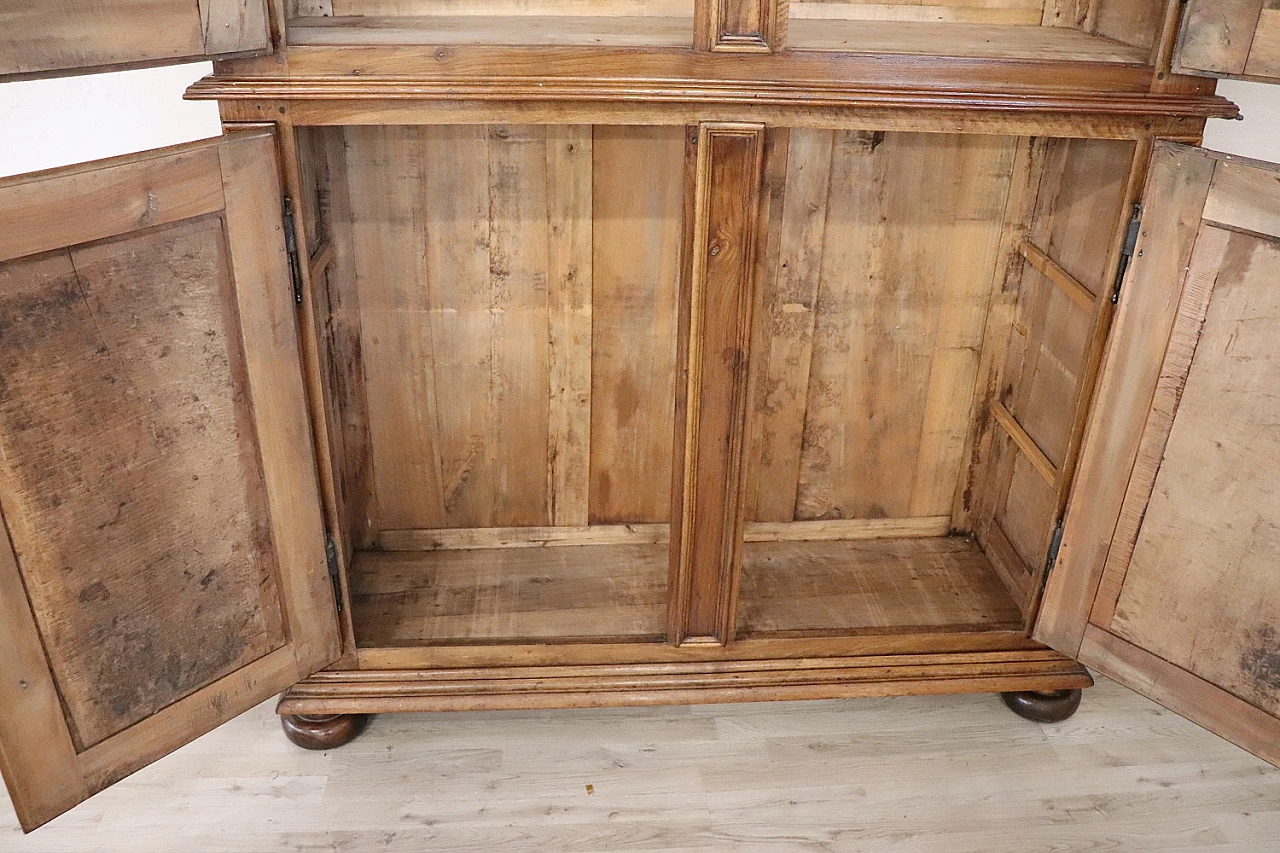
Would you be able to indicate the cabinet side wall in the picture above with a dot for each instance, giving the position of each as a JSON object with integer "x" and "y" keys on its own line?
{"x": 1063, "y": 275}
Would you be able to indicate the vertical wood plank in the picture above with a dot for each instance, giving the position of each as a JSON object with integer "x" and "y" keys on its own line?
{"x": 518, "y": 368}
{"x": 791, "y": 303}
{"x": 707, "y": 538}
{"x": 773, "y": 192}
{"x": 569, "y": 277}
{"x": 637, "y": 192}
{"x": 984, "y": 171}
{"x": 389, "y": 241}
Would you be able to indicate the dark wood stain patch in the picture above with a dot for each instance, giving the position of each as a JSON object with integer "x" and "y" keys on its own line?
{"x": 129, "y": 472}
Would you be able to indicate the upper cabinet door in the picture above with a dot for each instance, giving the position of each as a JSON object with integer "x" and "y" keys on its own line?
{"x": 162, "y": 559}
{"x": 1230, "y": 38}
{"x": 41, "y": 38}
{"x": 1169, "y": 575}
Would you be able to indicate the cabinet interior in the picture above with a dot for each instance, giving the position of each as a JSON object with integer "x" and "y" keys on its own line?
{"x": 498, "y": 308}
{"x": 1108, "y": 31}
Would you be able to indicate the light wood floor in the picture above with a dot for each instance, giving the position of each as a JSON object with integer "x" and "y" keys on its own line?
{"x": 952, "y": 774}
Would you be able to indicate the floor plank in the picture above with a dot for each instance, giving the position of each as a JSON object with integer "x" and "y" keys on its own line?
{"x": 954, "y": 774}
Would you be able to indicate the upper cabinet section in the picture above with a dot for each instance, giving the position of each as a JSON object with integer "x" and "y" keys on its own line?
{"x": 593, "y": 23}
{"x": 1231, "y": 38}
{"x": 68, "y": 36}
{"x": 1110, "y": 31}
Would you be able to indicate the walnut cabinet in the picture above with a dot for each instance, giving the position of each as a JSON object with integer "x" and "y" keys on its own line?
{"x": 551, "y": 353}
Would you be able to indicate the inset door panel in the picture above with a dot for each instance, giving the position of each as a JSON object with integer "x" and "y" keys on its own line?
{"x": 66, "y": 36}
{"x": 1231, "y": 38}
{"x": 502, "y": 355}
{"x": 164, "y": 565}
{"x": 1182, "y": 601}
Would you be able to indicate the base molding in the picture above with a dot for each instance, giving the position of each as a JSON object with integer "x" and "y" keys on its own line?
{"x": 619, "y": 685}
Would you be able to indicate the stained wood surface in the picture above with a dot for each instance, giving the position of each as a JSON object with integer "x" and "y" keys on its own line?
{"x": 874, "y": 314}
{"x": 154, "y": 315}
{"x": 603, "y": 534}
{"x": 1079, "y": 189}
{"x": 923, "y": 38}
{"x": 1232, "y": 38}
{"x": 638, "y": 204}
{"x": 65, "y": 35}
{"x": 516, "y": 308}
{"x": 843, "y": 587}
{"x": 1209, "y": 540}
{"x": 957, "y": 39}
{"x": 501, "y": 29}
{"x": 164, "y": 564}
{"x": 1186, "y": 601}
{"x": 1123, "y": 774}
{"x": 413, "y": 598}
{"x": 717, "y": 307}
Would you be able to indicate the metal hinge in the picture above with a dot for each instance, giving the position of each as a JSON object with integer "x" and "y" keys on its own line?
{"x": 331, "y": 557}
{"x": 1126, "y": 254}
{"x": 1055, "y": 545}
{"x": 291, "y": 246}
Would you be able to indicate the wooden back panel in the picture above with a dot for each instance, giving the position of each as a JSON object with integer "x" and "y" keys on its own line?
{"x": 530, "y": 274}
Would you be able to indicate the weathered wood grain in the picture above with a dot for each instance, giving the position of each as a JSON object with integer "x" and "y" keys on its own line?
{"x": 142, "y": 341}
{"x": 712, "y": 421}
{"x": 637, "y": 209}
{"x": 65, "y": 35}
{"x": 843, "y": 587}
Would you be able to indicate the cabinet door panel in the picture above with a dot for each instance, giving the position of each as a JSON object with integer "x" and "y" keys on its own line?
{"x": 1231, "y": 38}
{"x": 163, "y": 567}
{"x": 63, "y": 36}
{"x": 1187, "y": 600}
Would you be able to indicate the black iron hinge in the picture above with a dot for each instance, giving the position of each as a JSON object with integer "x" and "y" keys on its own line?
{"x": 331, "y": 557}
{"x": 291, "y": 246}
{"x": 1055, "y": 545}
{"x": 1126, "y": 253}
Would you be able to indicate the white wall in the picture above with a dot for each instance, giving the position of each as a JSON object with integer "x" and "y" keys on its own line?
{"x": 1258, "y": 136}
{"x": 47, "y": 123}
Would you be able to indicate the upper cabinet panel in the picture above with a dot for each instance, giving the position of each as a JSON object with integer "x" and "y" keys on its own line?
{"x": 1231, "y": 38}
{"x": 67, "y": 36}
{"x": 590, "y": 23}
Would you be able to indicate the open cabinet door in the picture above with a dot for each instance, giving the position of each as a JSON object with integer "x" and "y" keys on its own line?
{"x": 1169, "y": 575}
{"x": 43, "y": 37}
{"x": 1230, "y": 38}
{"x": 162, "y": 561}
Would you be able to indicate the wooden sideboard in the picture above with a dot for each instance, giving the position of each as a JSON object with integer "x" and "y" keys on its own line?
{"x": 551, "y": 354}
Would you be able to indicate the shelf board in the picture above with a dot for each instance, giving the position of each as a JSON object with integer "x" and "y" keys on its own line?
{"x": 406, "y": 598}
{"x": 618, "y": 592}
{"x": 977, "y": 41}
{"x": 823, "y": 588}
{"x": 514, "y": 30}
{"x": 913, "y": 38}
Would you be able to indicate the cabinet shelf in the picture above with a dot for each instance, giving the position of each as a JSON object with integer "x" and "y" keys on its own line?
{"x": 514, "y": 30}
{"x": 619, "y": 591}
{"x": 911, "y": 38}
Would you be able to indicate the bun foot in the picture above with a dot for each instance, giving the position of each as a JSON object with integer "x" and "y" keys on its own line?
{"x": 1050, "y": 706}
{"x": 322, "y": 732}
